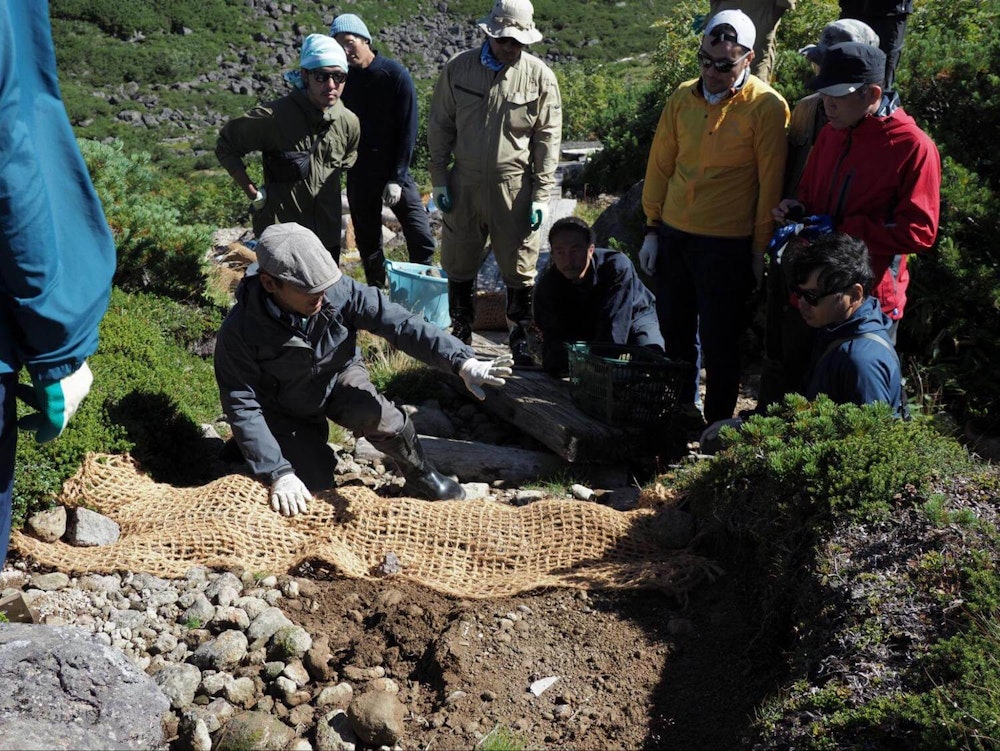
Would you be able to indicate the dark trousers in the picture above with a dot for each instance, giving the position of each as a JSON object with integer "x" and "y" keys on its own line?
{"x": 8, "y": 447}
{"x": 702, "y": 289}
{"x": 355, "y": 404}
{"x": 364, "y": 194}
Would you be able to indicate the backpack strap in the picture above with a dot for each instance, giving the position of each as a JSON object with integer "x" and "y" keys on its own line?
{"x": 904, "y": 407}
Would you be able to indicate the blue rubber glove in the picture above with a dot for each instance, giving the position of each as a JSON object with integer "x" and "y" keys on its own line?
{"x": 56, "y": 402}
{"x": 817, "y": 224}
{"x": 442, "y": 197}
{"x": 538, "y": 210}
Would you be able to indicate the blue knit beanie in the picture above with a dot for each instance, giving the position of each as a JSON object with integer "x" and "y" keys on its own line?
{"x": 348, "y": 23}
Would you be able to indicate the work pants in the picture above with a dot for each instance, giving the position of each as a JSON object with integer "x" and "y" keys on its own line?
{"x": 364, "y": 194}
{"x": 496, "y": 209}
{"x": 703, "y": 286}
{"x": 8, "y": 448}
{"x": 355, "y": 404}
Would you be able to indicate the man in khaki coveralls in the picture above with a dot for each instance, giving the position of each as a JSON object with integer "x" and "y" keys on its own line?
{"x": 494, "y": 134}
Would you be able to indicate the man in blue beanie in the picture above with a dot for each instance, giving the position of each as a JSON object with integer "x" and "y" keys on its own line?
{"x": 380, "y": 92}
{"x": 307, "y": 139}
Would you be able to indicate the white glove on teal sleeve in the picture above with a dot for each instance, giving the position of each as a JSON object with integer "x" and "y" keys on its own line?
{"x": 648, "y": 252}
{"x": 259, "y": 200}
{"x": 538, "y": 210}
{"x": 476, "y": 373}
{"x": 289, "y": 495}
{"x": 56, "y": 402}
{"x": 442, "y": 197}
{"x": 392, "y": 193}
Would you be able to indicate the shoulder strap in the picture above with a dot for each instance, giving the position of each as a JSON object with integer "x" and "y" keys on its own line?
{"x": 904, "y": 407}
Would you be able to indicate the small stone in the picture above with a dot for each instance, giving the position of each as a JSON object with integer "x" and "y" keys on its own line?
{"x": 48, "y": 525}
{"x": 335, "y": 696}
{"x": 377, "y": 718}
{"x": 50, "y": 582}
{"x": 582, "y": 492}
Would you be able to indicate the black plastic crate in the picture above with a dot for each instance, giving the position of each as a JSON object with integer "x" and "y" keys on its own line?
{"x": 625, "y": 386}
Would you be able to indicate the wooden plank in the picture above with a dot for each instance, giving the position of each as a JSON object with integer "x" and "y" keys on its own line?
{"x": 541, "y": 406}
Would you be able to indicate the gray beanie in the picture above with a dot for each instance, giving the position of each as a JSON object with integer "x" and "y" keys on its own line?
{"x": 291, "y": 253}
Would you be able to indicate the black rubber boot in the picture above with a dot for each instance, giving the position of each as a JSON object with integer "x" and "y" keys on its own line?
{"x": 374, "y": 266}
{"x": 461, "y": 309}
{"x": 421, "y": 478}
{"x": 518, "y": 323}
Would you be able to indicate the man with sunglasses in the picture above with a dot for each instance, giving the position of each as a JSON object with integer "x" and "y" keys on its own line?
{"x": 715, "y": 165}
{"x": 494, "y": 134}
{"x": 853, "y": 361}
{"x": 765, "y": 15}
{"x": 380, "y": 92}
{"x": 307, "y": 139}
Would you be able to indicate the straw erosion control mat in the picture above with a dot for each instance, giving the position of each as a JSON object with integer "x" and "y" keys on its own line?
{"x": 488, "y": 599}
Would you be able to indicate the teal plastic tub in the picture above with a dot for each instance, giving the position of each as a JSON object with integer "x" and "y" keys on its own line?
{"x": 421, "y": 289}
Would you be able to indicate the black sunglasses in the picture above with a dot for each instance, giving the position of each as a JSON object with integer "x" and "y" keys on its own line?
{"x": 322, "y": 76}
{"x": 813, "y": 296}
{"x": 507, "y": 41}
{"x": 723, "y": 66}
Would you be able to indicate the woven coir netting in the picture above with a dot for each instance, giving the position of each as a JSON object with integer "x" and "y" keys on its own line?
{"x": 474, "y": 549}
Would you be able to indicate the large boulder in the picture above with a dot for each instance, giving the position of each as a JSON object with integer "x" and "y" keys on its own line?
{"x": 62, "y": 689}
{"x": 623, "y": 220}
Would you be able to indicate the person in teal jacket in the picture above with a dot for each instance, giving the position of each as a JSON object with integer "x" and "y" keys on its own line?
{"x": 57, "y": 256}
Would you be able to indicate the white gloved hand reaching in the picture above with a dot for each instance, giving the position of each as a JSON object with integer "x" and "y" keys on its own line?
{"x": 537, "y": 217}
{"x": 289, "y": 495}
{"x": 392, "y": 193}
{"x": 475, "y": 373}
{"x": 648, "y": 252}
{"x": 259, "y": 200}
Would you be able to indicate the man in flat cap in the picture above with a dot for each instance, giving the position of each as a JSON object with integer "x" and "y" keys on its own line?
{"x": 380, "y": 92}
{"x": 715, "y": 167}
{"x": 286, "y": 361}
{"x": 872, "y": 171}
{"x": 307, "y": 139}
{"x": 494, "y": 134}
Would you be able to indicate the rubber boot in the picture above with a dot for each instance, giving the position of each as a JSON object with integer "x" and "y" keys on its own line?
{"x": 421, "y": 478}
{"x": 518, "y": 323}
{"x": 374, "y": 266}
{"x": 461, "y": 308}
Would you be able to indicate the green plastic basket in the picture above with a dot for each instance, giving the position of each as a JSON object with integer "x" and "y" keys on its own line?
{"x": 625, "y": 386}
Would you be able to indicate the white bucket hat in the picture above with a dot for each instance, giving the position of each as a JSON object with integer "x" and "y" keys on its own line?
{"x": 511, "y": 18}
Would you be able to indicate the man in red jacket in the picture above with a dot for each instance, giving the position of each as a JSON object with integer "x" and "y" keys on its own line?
{"x": 873, "y": 171}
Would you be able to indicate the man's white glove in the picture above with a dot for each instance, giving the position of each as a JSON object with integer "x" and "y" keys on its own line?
{"x": 392, "y": 193}
{"x": 757, "y": 266}
{"x": 475, "y": 373}
{"x": 538, "y": 210}
{"x": 259, "y": 200}
{"x": 442, "y": 197}
{"x": 289, "y": 495}
{"x": 56, "y": 402}
{"x": 648, "y": 252}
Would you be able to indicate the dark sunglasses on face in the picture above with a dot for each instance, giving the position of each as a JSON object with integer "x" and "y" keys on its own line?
{"x": 813, "y": 296}
{"x": 723, "y": 66}
{"x": 507, "y": 41}
{"x": 322, "y": 76}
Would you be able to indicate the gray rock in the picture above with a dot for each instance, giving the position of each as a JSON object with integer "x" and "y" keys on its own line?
{"x": 253, "y": 731}
{"x": 63, "y": 690}
{"x": 623, "y": 220}
{"x": 99, "y": 583}
{"x": 264, "y": 626}
{"x": 528, "y": 496}
{"x": 335, "y": 696}
{"x": 377, "y": 718}
{"x": 224, "y": 652}
{"x": 334, "y": 733}
{"x": 240, "y": 692}
{"x": 223, "y": 582}
{"x": 178, "y": 682}
{"x": 50, "y": 582}
{"x": 86, "y": 528}
{"x": 290, "y": 641}
{"x": 228, "y": 617}
{"x": 48, "y": 525}
{"x": 200, "y": 611}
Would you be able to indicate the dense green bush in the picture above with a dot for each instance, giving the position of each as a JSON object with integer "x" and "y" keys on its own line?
{"x": 149, "y": 396}
{"x": 156, "y": 251}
